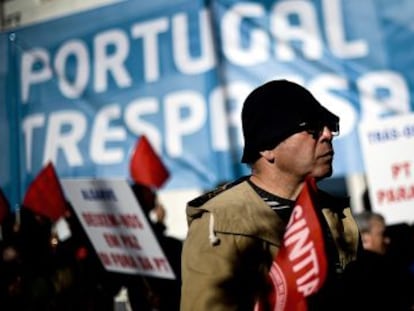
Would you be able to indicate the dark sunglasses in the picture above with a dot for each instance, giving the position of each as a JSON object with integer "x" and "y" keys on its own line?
{"x": 316, "y": 128}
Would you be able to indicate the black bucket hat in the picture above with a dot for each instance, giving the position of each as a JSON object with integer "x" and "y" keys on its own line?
{"x": 274, "y": 111}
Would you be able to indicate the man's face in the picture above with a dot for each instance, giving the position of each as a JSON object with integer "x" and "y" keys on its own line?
{"x": 305, "y": 153}
{"x": 375, "y": 240}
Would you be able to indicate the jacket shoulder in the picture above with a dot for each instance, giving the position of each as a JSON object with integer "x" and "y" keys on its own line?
{"x": 238, "y": 210}
{"x": 204, "y": 198}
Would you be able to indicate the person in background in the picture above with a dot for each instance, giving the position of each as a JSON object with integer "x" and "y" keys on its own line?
{"x": 151, "y": 293}
{"x": 84, "y": 283}
{"x": 28, "y": 263}
{"x": 372, "y": 227}
{"x": 11, "y": 267}
{"x": 375, "y": 280}
{"x": 236, "y": 231}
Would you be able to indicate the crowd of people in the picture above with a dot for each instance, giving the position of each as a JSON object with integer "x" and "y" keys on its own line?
{"x": 40, "y": 273}
{"x": 272, "y": 240}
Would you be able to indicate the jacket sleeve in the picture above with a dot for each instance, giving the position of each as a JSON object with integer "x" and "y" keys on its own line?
{"x": 224, "y": 276}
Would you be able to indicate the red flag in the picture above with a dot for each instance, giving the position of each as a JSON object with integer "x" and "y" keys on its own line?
{"x": 300, "y": 266}
{"x": 146, "y": 167}
{"x": 4, "y": 207}
{"x": 45, "y": 196}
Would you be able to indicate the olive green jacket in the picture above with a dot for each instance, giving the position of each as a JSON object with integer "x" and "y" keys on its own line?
{"x": 232, "y": 239}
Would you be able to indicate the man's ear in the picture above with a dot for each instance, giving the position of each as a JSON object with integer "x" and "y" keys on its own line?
{"x": 268, "y": 155}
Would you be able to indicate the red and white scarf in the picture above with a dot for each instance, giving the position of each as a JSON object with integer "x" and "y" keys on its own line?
{"x": 300, "y": 267}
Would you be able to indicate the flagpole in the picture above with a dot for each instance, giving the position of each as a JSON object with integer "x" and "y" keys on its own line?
{"x": 17, "y": 218}
{"x": 15, "y": 115}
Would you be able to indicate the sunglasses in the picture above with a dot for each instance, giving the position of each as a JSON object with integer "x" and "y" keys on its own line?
{"x": 316, "y": 128}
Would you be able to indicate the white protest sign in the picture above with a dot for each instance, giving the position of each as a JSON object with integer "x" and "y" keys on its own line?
{"x": 117, "y": 227}
{"x": 388, "y": 152}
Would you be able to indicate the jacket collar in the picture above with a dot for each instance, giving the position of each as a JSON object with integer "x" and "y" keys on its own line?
{"x": 241, "y": 211}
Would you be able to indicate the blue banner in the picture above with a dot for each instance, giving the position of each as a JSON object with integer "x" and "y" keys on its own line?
{"x": 80, "y": 90}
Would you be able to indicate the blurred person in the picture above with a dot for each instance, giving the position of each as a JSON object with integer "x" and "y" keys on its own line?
{"x": 37, "y": 257}
{"x": 93, "y": 288}
{"x": 152, "y": 293}
{"x": 372, "y": 228}
{"x": 375, "y": 280}
{"x": 236, "y": 231}
{"x": 11, "y": 268}
{"x": 401, "y": 248}
{"x": 28, "y": 262}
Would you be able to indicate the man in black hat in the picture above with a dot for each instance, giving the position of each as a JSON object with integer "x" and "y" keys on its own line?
{"x": 272, "y": 240}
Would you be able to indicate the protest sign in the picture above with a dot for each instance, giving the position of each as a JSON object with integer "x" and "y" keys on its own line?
{"x": 388, "y": 152}
{"x": 117, "y": 227}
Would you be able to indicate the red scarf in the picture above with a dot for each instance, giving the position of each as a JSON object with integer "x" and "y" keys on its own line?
{"x": 299, "y": 268}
